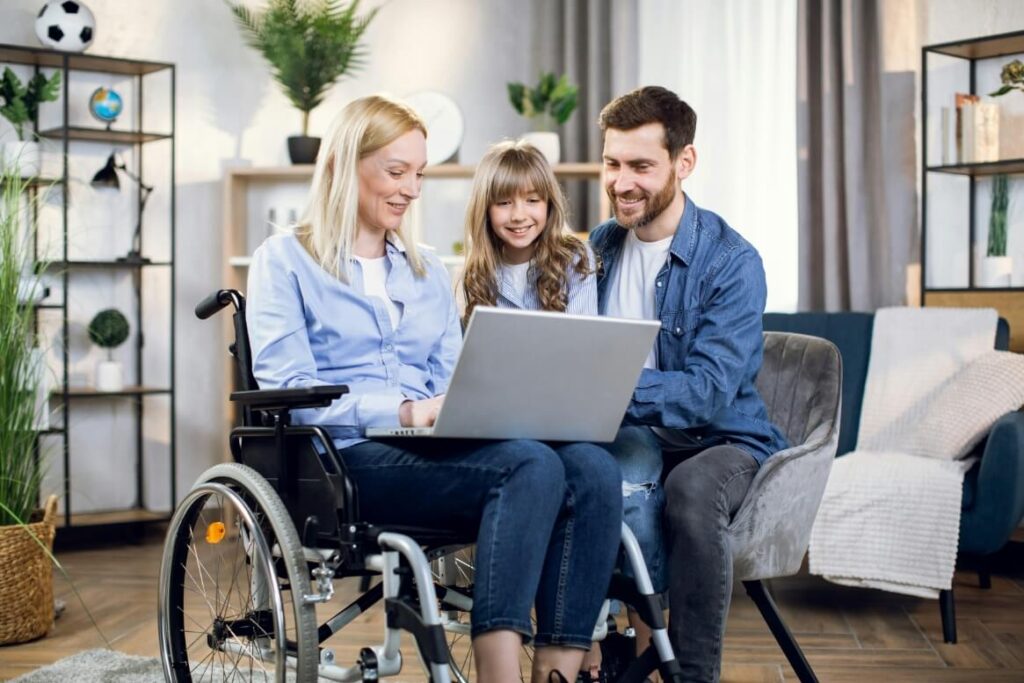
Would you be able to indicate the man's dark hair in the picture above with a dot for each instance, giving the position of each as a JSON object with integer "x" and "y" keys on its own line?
{"x": 652, "y": 104}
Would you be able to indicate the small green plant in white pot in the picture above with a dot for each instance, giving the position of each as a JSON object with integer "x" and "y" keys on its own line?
{"x": 19, "y": 104}
{"x": 547, "y": 105}
{"x": 108, "y": 330}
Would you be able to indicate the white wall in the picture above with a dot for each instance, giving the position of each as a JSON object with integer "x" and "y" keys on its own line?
{"x": 227, "y": 107}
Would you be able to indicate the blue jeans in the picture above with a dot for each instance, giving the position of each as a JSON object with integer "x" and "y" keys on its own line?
{"x": 546, "y": 521}
{"x": 638, "y": 453}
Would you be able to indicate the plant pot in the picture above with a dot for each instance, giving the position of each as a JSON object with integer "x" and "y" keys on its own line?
{"x": 549, "y": 144}
{"x": 25, "y": 154}
{"x": 109, "y": 376}
{"x": 995, "y": 271}
{"x": 26, "y": 578}
{"x": 303, "y": 149}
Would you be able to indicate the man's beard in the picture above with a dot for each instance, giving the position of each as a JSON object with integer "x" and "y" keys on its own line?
{"x": 655, "y": 204}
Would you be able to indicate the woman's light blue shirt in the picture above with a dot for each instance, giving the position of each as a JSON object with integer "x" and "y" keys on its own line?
{"x": 308, "y": 328}
{"x": 581, "y": 298}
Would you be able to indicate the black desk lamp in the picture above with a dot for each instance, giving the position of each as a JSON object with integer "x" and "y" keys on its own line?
{"x": 107, "y": 177}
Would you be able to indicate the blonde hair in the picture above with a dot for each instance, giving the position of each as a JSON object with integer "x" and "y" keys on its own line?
{"x": 330, "y": 222}
{"x": 510, "y": 168}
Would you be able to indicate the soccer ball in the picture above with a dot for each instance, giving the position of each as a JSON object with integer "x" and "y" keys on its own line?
{"x": 65, "y": 25}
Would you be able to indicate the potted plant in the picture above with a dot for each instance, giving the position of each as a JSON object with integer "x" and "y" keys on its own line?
{"x": 26, "y": 534}
{"x": 997, "y": 267}
{"x": 309, "y": 45}
{"x": 109, "y": 329}
{"x": 1012, "y": 78}
{"x": 19, "y": 104}
{"x": 551, "y": 102}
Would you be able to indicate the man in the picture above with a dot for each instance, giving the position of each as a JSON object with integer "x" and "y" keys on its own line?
{"x": 696, "y": 429}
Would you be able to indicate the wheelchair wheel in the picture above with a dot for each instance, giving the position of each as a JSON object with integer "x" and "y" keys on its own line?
{"x": 232, "y": 583}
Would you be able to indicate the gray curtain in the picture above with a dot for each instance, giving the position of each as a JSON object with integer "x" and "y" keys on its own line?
{"x": 595, "y": 43}
{"x": 855, "y": 132}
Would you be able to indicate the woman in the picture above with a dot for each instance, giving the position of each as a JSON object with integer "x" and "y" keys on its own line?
{"x": 347, "y": 300}
{"x": 520, "y": 253}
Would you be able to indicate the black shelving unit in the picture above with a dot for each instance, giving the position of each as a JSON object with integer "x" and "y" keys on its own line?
{"x": 91, "y": 525}
{"x": 989, "y": 47}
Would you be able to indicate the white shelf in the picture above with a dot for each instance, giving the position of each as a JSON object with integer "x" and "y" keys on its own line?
{"x": 240, "y": 261}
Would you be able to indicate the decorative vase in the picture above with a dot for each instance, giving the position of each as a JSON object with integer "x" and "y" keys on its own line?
{"x": 26, "y": 589}
{"x": 303, "y": 149}
{"x": 24, "y": 153}
{"x": 109, "y": 376}
{"x": 548, "y": 143}
{"x": 996, "y": 271}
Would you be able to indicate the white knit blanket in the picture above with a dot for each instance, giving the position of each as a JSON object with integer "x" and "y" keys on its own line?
{"x": 891, "y": 520}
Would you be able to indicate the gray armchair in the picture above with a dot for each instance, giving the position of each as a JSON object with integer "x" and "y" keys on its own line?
{"x": 801, "y": 384}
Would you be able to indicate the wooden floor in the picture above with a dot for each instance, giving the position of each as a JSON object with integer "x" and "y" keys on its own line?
{"x": 848, "y": 634}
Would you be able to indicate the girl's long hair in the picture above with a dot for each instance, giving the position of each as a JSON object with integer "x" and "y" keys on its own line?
{"x": 510, "y": 168}
{"x": 330, "y": 222}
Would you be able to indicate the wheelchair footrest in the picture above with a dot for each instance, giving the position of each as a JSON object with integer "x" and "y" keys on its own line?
{"x": 430, "y": 638}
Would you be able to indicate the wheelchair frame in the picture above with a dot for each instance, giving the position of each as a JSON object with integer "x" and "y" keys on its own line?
{"x": 297, "y": 519}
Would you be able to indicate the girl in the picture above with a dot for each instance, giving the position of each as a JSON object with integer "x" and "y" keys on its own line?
{"x": 347, "y": 300}
{"x": 520, "y": 253}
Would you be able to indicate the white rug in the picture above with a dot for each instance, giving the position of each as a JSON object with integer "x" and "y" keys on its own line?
{"x": 98, "y": 666}
{"x": 110, "y": 666}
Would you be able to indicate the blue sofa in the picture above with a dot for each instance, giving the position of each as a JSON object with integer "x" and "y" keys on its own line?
{"x": 993, "y": 495}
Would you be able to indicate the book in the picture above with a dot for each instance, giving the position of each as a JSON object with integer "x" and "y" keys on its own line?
{"x": 965, "y": 127}
{"x": 986, "y": 131}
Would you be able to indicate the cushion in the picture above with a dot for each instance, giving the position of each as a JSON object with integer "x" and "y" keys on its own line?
{"x": 950, "y": 422}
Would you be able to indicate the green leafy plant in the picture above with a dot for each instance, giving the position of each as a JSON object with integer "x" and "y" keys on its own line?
{"x": 20, "y": 371}
{"x": 109, "y": 329}
{"x": 21, "y": 466}
{"x": 1012, "y": 78}
{"x": 309, "y": 44}
{"x": 20, "y": 102}
{"x": 997, "y": 217}
{"x": 552, "y": 99}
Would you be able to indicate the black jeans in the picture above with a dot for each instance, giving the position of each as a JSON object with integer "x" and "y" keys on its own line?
{"x": 703, "y": 492}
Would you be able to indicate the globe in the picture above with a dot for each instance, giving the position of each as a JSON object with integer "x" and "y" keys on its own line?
{"x": 105, "y": 104}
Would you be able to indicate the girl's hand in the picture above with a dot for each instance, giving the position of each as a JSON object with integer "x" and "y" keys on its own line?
{"x": 420, "y": 413}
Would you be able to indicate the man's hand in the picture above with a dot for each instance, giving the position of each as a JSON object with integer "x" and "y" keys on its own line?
{"x": 420, "y": 413}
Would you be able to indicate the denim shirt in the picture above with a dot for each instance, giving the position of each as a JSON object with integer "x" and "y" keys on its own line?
{"x": 581, "y": 299}
{"x": 709, "y": 296}
{"x": 308, "y": 328}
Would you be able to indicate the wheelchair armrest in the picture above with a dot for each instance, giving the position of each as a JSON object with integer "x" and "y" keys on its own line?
{"x": 299, "y": 397}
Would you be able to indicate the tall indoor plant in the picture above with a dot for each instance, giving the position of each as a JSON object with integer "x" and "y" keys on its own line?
{"x": 19, "y": 104}
{"x": 26, "y": 592}
{"x": 548, "y": 104}
{"x": 310, "y": 44}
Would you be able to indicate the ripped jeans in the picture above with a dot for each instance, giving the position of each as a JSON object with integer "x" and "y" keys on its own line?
{"x": 639, "y": 454}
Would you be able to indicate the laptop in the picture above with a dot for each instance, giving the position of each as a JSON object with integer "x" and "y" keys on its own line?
{"x": 540, "y": 375}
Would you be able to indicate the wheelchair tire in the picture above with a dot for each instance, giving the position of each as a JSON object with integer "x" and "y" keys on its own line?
{"x": 217, "y": 607}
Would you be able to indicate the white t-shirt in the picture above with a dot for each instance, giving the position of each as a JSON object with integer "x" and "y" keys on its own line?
{"x": 375, "y": 276}
{"x": 515, "y": 274}
{"x": 631, "y": 294}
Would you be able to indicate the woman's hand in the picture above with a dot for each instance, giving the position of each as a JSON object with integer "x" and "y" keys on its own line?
{"x": 420, "y": 413}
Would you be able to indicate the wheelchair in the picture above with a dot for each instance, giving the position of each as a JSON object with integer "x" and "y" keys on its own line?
{"x": 258, "y": 543}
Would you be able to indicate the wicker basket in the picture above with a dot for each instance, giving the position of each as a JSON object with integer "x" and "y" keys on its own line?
{"x": 26, "y": 578}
